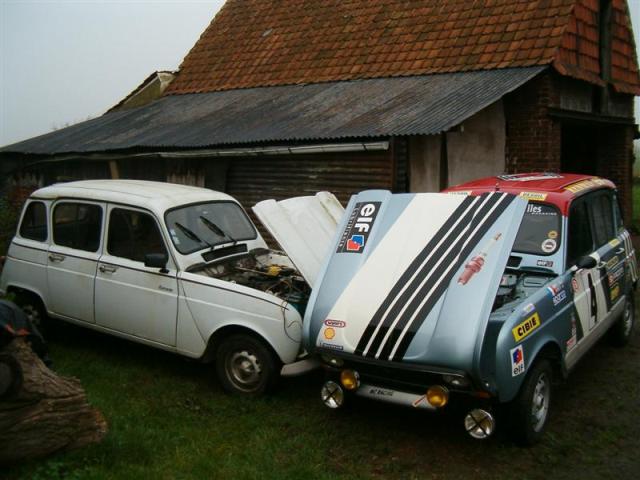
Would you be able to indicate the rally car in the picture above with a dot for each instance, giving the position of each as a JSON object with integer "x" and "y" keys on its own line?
{"x": 481, "y": 295}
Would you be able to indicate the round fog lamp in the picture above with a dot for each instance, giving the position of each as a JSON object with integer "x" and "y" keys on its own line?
{"x": 479, "y": 424}
{"x": 437, "y": 396}
{"x": 350, "y": 379}
{"x": 332, "y": 395}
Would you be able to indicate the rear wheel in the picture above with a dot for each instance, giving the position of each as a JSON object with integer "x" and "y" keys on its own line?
{"x": 530, "y": 409}
{"x": 246, "y": 366}
{"x": 620, "y": 333}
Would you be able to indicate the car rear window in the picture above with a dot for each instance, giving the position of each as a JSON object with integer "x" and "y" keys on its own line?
{"x": 539, "y": 232}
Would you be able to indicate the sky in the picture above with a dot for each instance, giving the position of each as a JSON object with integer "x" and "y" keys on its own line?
{"x": 64, "y": 61}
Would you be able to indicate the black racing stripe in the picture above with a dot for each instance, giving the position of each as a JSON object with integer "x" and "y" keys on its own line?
{"x": 404, "y": 278}
{"x": 426, "y": 309}
{"x": 400, "y": 301}
{"x": 438, "y": 276}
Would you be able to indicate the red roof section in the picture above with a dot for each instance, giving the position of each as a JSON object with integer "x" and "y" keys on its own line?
{"x": 558, "y": 189}
{"x": 252, "y": 43}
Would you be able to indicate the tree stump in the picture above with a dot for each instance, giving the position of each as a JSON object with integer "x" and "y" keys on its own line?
{"x": 40, "y": 412}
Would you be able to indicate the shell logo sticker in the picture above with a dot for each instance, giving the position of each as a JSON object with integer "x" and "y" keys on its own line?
{"x": 526, "y": 328}
{"x": 329, "y": 333}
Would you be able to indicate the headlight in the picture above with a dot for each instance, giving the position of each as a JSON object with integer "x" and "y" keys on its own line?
{"x": 350, "y": 379}
{"x": 333, "y": 361}
{"x": 455, "y": 381}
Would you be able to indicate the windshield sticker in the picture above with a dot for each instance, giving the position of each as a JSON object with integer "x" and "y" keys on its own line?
{"x": 549, "y": 245}
{"x": 541, "y": 197}
{"x": 553, "y": 234}
{"x": 545, "y": 263}
{"x": 519, "y": 177}
{"x": 517, "y": 361}
{"x": 355, "y": 236}
{"x": 461, "y": 192}
{"x": 526, "y": 328}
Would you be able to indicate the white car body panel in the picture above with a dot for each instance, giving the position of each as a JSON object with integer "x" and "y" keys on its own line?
{"x": 304, "y": 227}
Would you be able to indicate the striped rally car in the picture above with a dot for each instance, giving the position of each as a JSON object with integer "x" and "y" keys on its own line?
{"x": 481, "y": 295}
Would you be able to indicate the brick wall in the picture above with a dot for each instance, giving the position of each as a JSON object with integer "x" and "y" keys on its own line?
{"x": 615, "y": 161}
{"x": 533, "y": 138}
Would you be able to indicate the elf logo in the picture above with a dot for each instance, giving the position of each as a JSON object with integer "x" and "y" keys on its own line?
{"x": 359, "y": 226}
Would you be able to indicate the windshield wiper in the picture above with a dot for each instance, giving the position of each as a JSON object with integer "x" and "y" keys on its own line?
{"x": 216, "y": 229}
{"x": 191, "y": 235}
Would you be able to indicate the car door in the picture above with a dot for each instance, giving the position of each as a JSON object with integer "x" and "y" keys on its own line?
{"x": 592, "y": 233}
{"x": 73, "y": 257}
{"x": 130, "y": 297}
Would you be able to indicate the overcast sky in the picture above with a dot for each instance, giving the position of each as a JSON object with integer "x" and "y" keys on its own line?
{"x": 64, "y": 61}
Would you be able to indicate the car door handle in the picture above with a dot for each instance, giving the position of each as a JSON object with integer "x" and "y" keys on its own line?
{"x": 54, "y": 257}
{"x": 107, "y": 269}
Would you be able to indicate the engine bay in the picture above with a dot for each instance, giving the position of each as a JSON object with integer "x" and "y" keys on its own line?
{"x": 263, "y": 270}
{"x": 516, "y": 285}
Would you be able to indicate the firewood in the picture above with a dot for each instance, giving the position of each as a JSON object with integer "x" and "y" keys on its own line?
{"x": 46, "y": 413}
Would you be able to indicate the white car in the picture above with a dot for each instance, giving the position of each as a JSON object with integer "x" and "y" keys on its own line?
{"x": 178, "y": 268}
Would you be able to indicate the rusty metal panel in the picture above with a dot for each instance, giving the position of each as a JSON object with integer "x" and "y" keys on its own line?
{"x": 372, "y": 108}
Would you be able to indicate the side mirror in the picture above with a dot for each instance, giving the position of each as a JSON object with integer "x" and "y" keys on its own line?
{"x": 157, "y": 260}
{"x": 586, "y": 262}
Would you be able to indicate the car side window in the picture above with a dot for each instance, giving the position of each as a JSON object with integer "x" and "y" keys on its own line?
{"x": 133, "y": 234}
{"x": 77, "y": 225}
{"x": 580, "y": 238}
{"x": 617, "y": 215}
{"x": 34, "y": 222}
{"x": 603, "y": 221}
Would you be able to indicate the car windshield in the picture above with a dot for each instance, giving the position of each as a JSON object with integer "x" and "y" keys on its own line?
{"x": 539, "y": 232}
{"x": 195, "y": 227}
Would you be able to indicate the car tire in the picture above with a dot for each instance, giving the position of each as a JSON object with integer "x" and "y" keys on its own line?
{"x": 621, "y": 331}
{"x": 245, "y": 365}
{"x": 33, "y": 309}
{"x": 10, "y": 377}
{"x": 530, "y": 409}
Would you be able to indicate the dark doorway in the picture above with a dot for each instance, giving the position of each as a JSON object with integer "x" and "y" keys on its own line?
{"x": 579, "y": 149}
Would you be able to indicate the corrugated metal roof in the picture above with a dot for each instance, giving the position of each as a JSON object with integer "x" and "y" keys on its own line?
{"x": 338, "y": 110}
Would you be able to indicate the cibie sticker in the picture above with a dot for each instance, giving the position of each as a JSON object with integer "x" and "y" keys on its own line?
{"x": 517, "y": 361}
{"x": 525, "y": 328}
{"x": 361, "y": 221}
{"x": 549, "y": 245}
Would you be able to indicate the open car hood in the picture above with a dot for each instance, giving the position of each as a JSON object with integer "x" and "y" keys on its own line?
{"x": 304, "y": 227}
{"x": 413, "y": 277}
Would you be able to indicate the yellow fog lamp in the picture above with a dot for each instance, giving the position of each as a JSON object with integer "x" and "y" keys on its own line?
{"x": 437, "y": 396}
{"x": 350, "y": 379}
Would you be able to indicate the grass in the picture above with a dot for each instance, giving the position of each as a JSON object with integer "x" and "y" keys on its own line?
{"x": 169, "y": 420}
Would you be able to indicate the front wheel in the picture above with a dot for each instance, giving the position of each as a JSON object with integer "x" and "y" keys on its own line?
{"x": 530, "y": 409}
{"x": 246, "y": 366}
{"x": 620, "y": 332}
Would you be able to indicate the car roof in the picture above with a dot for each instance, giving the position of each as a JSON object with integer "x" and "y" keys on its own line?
{"x": 559, "y": 189}
{"x": 155, "y": 196}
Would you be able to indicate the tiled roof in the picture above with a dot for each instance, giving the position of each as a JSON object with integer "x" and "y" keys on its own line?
{"x": 253, "y": 43}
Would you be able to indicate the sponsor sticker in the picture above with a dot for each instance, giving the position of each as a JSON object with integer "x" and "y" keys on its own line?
{"x": 331, "y": 346}
{"x": 529, "y": 308}
{"x": 573, "y": 340}
{"x": 615, "y": 293}
{"x": 553, "y": 234}
{"x": 526, "y": 328}
{"x": 361, "y": 221}
{"x": 335, "y": 323}
{"x": 517, "y": 361}
{"x": 574, "y": 285}
{"x": 535, "y": 196}
{"x": 545, "y": 263}
{"x": 465, "y": 193}
{"x": 614, "y": 243}
{"x": 558, "y": 294}
{"x": 329, "y": 333}
{"x": 381, "y": 392}
{"x": 586, "y": 184}
{"x": 519, "y": 177}
{"x": 549, "y": 245}
{"x": 613, "y": 262}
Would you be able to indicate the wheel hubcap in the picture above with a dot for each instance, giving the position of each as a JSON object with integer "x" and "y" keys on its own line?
{"x": 627, "y": 321}
{"x": 540, "y": 404}
{"x": 244, "y": 369}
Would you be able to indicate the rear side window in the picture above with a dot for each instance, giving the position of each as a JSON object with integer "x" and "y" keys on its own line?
{"x": 78, "y": 226}
{"x": 133, "y": 235}
{"x": 34, "y": 222}
{"x": 580, "y": 235}
{"x": 603, "y": 219}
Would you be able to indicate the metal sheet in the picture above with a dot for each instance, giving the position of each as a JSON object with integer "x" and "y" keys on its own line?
{"x": 421, "y": 105}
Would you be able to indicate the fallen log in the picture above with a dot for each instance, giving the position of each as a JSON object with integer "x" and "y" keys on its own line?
{"x": 41, "y": 412}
